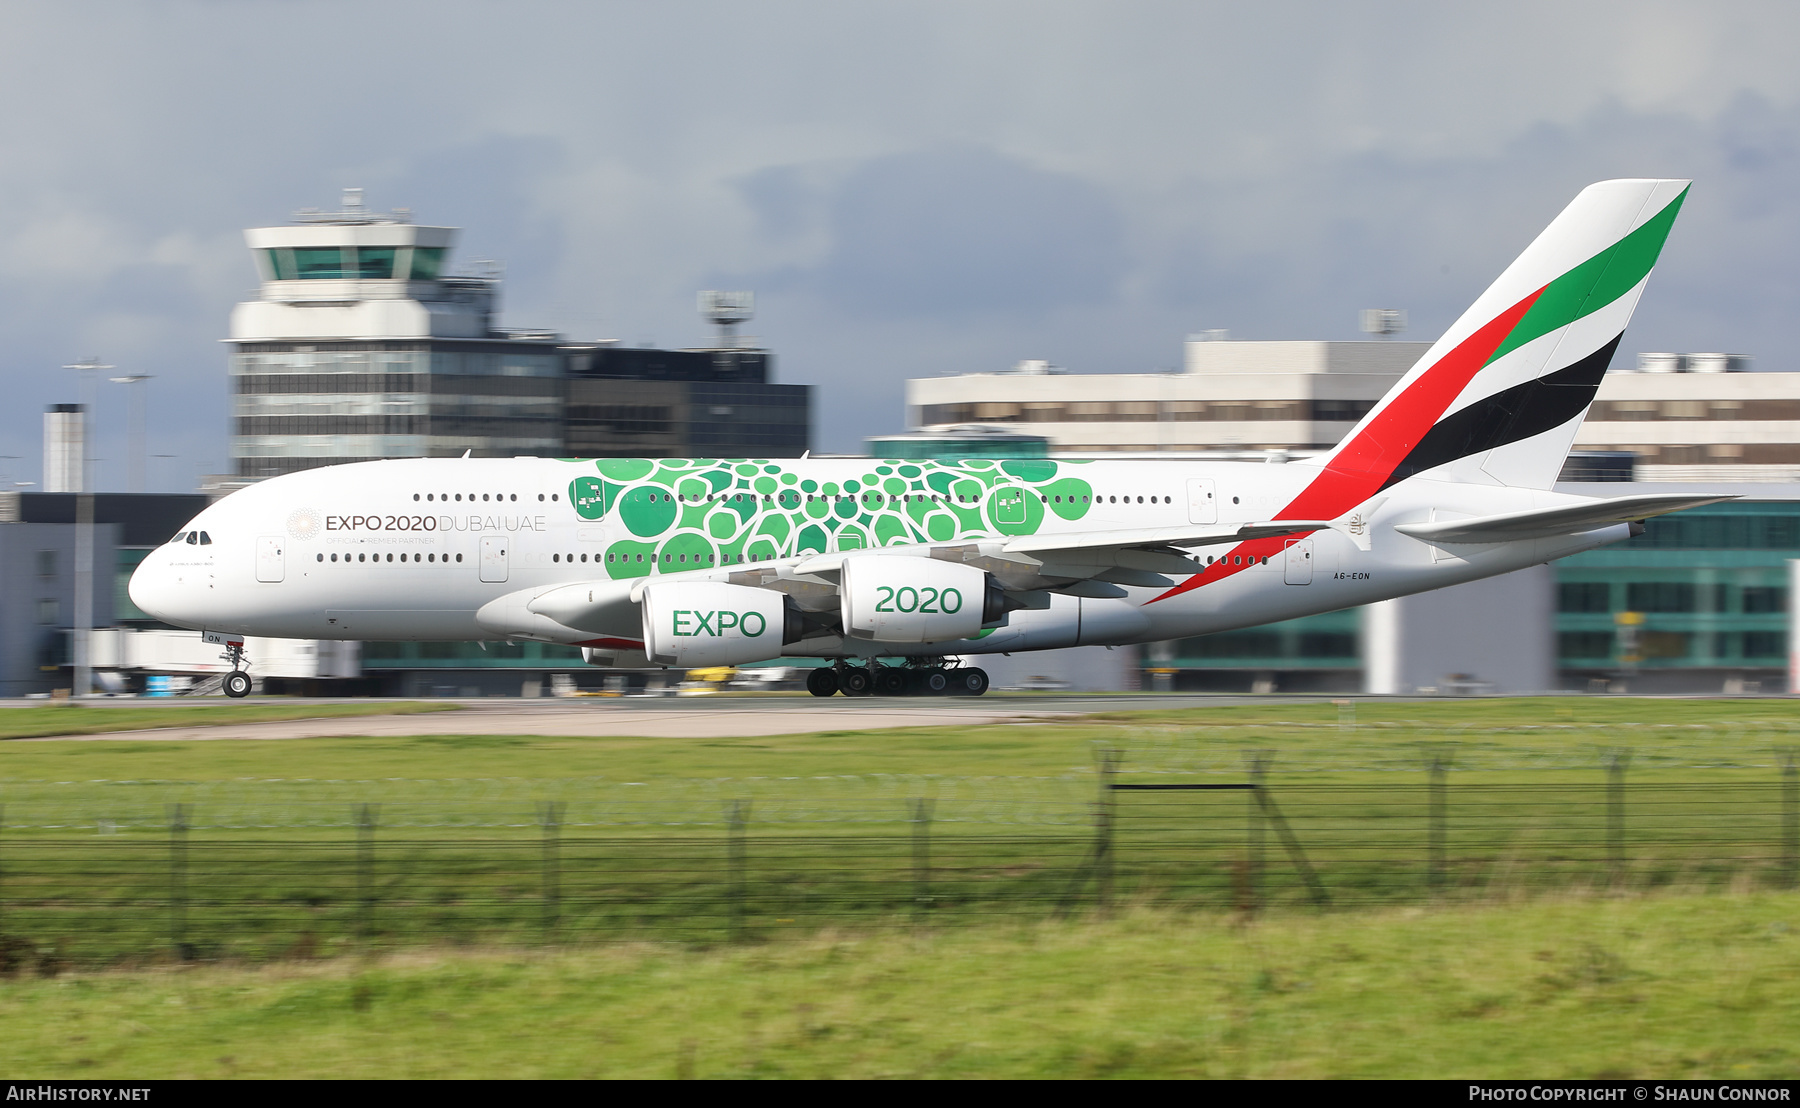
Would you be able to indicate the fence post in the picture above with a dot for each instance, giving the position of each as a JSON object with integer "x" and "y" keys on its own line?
{"x": 178, "y": 829}
{"x": 550, "y": 816}
{"x": 1790, "y": 819}
{"x": 1437, "y": 763}
{"x": 1109, "y": 758}
{"x": 737, "y": 814}
{"x": 1253, "y": 831}
{"x": 365, "y": 868}
{"x": 920, "y": 817}
{"x": 1616, "y": 759}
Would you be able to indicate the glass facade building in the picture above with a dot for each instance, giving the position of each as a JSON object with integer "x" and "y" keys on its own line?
{"x": 967, "y": 441}
{"x": 300, "y": 405}
{"x": 629, "y": 402}
{"x": 1706, "y": 589}
{"x": 1711, "y": 585}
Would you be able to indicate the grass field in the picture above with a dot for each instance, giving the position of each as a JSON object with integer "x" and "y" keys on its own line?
{"x": 334, "y": 844}
{"x": 1668, "y": 986}
{"x": 1311, "y": 736}
{"x": 1557, "y": 927}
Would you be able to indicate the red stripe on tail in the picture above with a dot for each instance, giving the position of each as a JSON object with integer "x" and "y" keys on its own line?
{"x": 1363, "y": 465}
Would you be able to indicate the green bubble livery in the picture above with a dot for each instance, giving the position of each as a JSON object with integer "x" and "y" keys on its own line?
{"x": 689, "y": 513}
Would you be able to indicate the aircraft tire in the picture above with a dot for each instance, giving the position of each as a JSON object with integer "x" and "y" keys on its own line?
{"x": 968, "y": 682}
{"x": 890, "y": 681}
{"x": 856, "y": 681}
{"x": 822, "y": 682}
{"x": 237, "y": 684}
{"x": 933, "y": 682}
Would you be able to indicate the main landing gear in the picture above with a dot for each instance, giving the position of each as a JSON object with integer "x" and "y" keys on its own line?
{"x": 882, "y": 680}
{"x": 237, "y": 683}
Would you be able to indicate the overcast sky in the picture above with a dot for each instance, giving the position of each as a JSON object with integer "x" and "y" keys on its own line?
{"x": 911, "y": 189}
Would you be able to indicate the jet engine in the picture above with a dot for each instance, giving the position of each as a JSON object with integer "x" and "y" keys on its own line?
{"x": 891, "y": 598}
{"x": 711, "y": 623}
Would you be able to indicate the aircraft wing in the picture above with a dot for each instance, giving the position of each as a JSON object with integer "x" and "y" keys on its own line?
{"x": 1543, "y": 523}
{"x": 1047, "y": 547}
{"x": 608, "y": 607}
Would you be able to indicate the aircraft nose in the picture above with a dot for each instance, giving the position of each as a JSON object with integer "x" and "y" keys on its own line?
{"x": 156, "y": 589}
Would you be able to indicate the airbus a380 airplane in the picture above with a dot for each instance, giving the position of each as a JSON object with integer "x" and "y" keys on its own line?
{"x": 699, "y": 563}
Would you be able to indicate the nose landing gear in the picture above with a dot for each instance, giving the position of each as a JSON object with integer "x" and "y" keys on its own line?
{"x": 237, "y": 683}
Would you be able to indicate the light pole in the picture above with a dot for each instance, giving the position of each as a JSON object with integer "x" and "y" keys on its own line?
{"x": 136, "y": 428}
{"x": 84, "y": 531}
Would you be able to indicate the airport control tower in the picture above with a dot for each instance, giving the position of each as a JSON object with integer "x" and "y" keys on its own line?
{"x": 361, "y": 347}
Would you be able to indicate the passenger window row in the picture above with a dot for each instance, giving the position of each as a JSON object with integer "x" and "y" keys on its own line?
{"x": 447, "y": 497}
{"x": 885, "y": 498}
{"x": 390, "y": 557}
{"x": 670, "y": 559}
{"x": 788, "y": 497}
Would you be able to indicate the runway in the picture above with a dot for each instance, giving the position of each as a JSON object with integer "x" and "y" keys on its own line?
{"x": 671, "y": 717}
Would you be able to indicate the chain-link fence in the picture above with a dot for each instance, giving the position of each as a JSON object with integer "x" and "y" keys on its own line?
{"x": 102, "y": 871}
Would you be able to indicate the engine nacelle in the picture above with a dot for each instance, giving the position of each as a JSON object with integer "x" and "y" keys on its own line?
{"x": 891, "y": 598}
{"x": 710, "y": 623}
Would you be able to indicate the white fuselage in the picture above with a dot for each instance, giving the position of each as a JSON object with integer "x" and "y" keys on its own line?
{"x": 414, "y": 549}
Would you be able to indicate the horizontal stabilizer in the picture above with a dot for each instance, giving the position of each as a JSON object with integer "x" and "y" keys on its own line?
{"x": 1543, "y": 523}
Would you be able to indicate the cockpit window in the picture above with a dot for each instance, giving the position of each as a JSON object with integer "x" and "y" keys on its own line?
{"x": 193, "y": 537}
{"x": 180, "y": 536}
{"x": 205, "y": 539}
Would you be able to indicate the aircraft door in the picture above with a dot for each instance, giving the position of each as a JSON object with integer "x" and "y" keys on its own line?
{"x": 1298, "y": 567}
{"x": 271, "y": 563}
{"x": 493, "y": 557}
{"x": 1203, "y": 500}
{"x": 1009, "y": 505}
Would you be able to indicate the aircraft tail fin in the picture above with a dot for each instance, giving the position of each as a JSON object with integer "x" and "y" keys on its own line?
{"x": 1498, "y": 399}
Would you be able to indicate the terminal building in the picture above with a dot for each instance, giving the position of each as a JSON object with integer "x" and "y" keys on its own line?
{"x": 1675, "y": 417}
{"x": 1294, "y": 396}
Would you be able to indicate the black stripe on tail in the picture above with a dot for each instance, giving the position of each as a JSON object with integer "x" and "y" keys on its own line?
{"x": 1510, "y": 415}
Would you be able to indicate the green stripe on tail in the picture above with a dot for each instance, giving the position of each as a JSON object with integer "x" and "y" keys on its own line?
{"x": 1595, "y": 283}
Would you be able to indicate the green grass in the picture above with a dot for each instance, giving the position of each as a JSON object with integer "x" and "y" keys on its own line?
{"x": 1669, "y": 986}
{"x": 36, "y": 721}
{"x": 1522, "y": 964}
{"x": 87, "y": 861}
{"x": 1307, "y": 736}
{"x": 1509, "y": 711}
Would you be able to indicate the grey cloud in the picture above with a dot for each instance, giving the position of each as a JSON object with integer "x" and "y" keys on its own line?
{"x": 787, "y": 200}
{"x": 1298, "y": 256}
{"x": 879, "y": 172}
{"x": 954, "y": 232}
